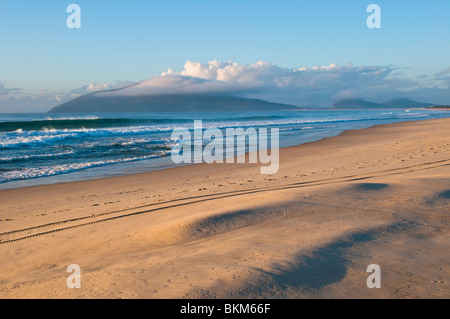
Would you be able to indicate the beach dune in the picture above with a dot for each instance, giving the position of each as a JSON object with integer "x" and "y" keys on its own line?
{"x": 374, "y": 196}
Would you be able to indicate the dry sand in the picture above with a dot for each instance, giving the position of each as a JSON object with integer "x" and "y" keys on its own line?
{"x": 374, "y": 196}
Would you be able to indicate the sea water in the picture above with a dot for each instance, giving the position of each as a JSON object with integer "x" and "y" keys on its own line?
{"x": 48, "y": 148}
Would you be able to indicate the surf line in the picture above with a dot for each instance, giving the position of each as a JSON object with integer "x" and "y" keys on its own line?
{"x": 211, "y": 146}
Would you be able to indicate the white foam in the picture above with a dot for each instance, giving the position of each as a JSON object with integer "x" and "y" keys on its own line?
{"x": 28, "y": 173}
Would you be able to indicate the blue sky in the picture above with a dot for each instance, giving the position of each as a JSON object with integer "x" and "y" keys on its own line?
{"x": 121, "y": 41}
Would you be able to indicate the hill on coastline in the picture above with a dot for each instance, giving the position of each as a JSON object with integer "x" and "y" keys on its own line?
{"x": 405, "y": 102}
{"x": 98, "y": 103}
{"x": 394, "y": 103}
{"x": 110, "y": 101}
{"x": 357, "y": 104}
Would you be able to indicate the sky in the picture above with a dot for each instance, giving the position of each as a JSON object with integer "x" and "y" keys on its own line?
{"x": 298, "y": 52}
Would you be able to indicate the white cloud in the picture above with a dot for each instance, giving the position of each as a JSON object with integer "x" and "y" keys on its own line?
{"x": 320, "y": 84}
{"x": 443, "y": 77}
{"x": 95, "y": 87}
{"x": 14, "y": 100}
{"x": 98, "y": 87}
{"x": 7, "y": 91}
{"x": 443, "y": 72}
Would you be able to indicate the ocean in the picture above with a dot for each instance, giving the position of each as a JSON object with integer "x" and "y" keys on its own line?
{"x": 46, "y": 148}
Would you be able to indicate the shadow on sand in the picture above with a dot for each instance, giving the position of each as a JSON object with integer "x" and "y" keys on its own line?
{"x": 328, "y": 264}
{"x": 445, "y": 194}
{"x": 371, "y": 186}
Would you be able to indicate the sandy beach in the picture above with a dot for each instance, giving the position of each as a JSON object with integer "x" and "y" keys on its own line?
{"x": 374, "y": 196}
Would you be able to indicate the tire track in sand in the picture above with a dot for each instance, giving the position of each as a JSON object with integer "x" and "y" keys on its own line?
{"x": 192, "y": 200}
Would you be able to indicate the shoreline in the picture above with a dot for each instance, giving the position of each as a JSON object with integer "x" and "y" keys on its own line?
{"x": 378, "y": 195}
{"x": 162, "y": 163}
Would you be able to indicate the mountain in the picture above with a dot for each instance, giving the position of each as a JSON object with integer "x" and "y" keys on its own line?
{"x": 398, "y": 103}
{"x": 99, "y": 102}
{"x": 357, "y": 104}
{"x": 407, "y": 103}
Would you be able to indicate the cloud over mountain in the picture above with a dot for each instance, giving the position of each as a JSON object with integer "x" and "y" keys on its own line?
{"x": 319, "y": 85}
